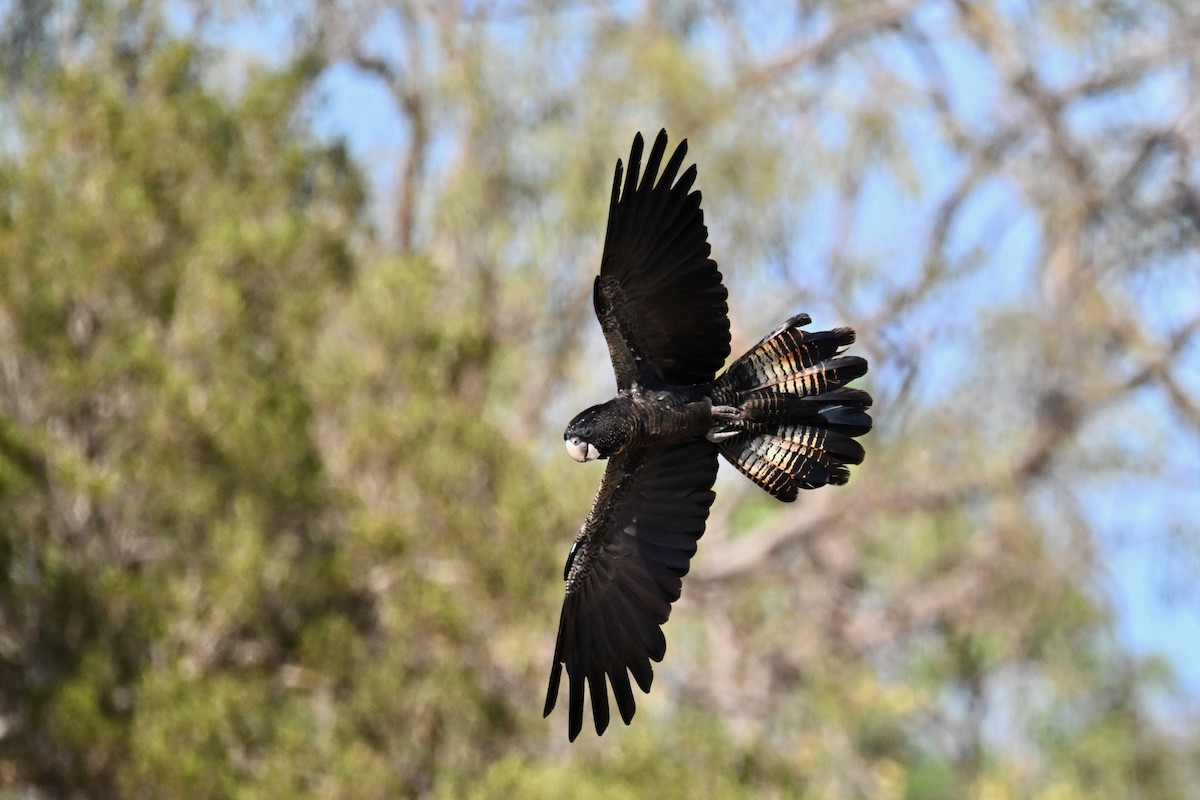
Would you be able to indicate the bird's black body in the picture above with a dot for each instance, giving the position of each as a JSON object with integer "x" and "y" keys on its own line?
{"x": 781, "y": 414}
{"x": 642, "y": 417}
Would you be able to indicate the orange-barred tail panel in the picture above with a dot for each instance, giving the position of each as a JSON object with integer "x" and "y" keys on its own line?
{"x": 793, "y": 419}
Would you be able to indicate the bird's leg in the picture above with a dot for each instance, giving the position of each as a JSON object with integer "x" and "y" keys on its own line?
{"x": 719, "y": 434}
{"x": 722, "y": 430}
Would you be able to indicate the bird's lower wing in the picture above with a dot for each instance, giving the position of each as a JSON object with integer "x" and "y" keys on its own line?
{"x": 625, "y": 572}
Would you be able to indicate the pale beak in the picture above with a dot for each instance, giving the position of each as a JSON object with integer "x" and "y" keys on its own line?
{"x": 581, "y": 450}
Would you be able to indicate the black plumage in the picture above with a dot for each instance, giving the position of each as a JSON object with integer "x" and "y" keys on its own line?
{"x": 781, "y": 413}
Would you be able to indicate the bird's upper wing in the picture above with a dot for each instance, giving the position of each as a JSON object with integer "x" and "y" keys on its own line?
{"x": 659, "y": 296}
{"x": 625, "y": 571}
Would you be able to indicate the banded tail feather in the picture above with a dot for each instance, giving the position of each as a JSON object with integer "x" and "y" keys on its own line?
{"x": 788, "y": 421}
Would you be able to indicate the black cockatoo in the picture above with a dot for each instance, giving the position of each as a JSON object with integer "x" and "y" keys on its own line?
{"x": 781, "y": 414}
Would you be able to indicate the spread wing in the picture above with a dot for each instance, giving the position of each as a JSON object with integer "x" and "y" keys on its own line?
{"x": 625, "y": 571}
{"x": 659, "y": 297}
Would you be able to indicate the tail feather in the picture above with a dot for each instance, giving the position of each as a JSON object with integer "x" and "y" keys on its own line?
{"x": 790, "y": 420}
{"x": 797, "y": 362}
{"x": 841, "y": 410}
{"x": 789, "y": 459}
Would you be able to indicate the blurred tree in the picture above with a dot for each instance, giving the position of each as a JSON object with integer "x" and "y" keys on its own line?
{"x": 282, "y": 504}
{"x": 238, "y": 468}
{"x": 168, "y": 534}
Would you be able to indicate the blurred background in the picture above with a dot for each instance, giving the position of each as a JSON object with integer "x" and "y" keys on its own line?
{"x": 295, "y": 304}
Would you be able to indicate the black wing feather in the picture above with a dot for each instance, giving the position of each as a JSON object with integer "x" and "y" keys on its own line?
{"x": 626, "y": 572}
{"x": 659, "y": 296}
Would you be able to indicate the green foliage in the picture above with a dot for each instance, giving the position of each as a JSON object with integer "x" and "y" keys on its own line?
{"x": 203, "y": 589}
{"x": 180, "y": 538}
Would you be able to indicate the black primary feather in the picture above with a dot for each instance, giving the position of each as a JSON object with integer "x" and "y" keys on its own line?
{"x": 659, "y": 296}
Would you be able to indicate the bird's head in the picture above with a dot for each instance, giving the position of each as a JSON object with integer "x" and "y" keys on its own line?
{"x": 595, "y": 433}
